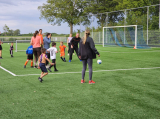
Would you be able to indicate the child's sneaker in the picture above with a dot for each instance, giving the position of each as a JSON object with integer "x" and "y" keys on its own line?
{"x": 31, "y": 66}
{"x": 91, "y": 82}
{"x": 24, "y": 66}
{"x": 82, "y": 81}
{"x": 40, "y": 79}
{"x": 55, "y": 70}
{"x": 35, "y": 66}
{"x": 69, "y": 60}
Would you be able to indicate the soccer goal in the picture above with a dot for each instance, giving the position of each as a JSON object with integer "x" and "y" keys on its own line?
{"x": 22, "y": 45}
{"x": 124, "y": 36}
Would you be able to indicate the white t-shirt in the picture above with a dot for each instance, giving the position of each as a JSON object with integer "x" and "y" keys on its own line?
{"x": 52, "y": 51}
{"x": 69, "y": 39}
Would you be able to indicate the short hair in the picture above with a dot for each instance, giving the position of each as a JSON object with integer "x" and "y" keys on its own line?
{"x": 40, "y": 29}
{"x": 61, "y": 42}
{"x": 48, "y": 34}
{"x": 43, "y": 50}
{"x": 53, "y": 43}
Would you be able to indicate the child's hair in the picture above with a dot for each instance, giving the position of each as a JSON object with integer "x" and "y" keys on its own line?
{"x": 53, "y": 43}
{"x": 43, "y": 50}
{"x": 36, "y": 32}
{"x": 61, "y": 42}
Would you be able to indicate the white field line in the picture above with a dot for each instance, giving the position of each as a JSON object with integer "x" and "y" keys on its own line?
{"x": 131, "y": 52}
{"x": 8, "y": 71}
{"x": 96, "y": 71}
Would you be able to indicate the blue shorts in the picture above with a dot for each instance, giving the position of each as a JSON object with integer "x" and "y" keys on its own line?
{"x": 43, "y": 67}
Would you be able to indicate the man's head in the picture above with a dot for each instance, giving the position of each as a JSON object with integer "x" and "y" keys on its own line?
{"x": 40, "y": 31}
{"x": 77, "y": 35}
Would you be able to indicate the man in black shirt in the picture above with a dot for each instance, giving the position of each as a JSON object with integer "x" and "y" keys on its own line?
{"x": 74, "y": 46}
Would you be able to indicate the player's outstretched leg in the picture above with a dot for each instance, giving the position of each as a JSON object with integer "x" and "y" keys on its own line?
{"x": 25, "y": 64}
{"x": 64, "y": 59}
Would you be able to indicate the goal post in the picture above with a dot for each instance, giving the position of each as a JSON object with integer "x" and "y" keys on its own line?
{"x": 127, "y": 36}
{"x": 22, "y": 45}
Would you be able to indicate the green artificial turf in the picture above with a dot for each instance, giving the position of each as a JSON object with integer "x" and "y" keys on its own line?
{"x": 122, "y": 94}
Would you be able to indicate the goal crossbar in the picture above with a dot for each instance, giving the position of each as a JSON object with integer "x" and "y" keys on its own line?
{"x": 123, "y": 27}
{"x": 21, "y": 41}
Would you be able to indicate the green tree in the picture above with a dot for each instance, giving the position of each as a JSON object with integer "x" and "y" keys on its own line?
{"x": 6, "y": 29}
{"x": 16, "y": 32}
{"x": 60, "y": 11}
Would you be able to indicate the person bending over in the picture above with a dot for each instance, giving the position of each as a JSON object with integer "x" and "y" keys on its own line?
{"x": 74, "y": 46}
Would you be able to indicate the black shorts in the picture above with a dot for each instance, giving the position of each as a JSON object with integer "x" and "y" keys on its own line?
{"x": 11, "y": 52}
{"x": 43, "y": 67}
{"x": 37, "y": 52}
{"x": 0, "y": 47}
{"x": 30, "y": 57}
{"x": 53, "y": 60}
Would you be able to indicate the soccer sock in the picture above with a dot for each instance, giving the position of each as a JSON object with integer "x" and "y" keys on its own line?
{"x": 62, "y": 59}
{"x": 26, "y": 63}
{"x": 50, "y": 66}
{"x": 31, "y": 63}
{"x": 55, "y": 67}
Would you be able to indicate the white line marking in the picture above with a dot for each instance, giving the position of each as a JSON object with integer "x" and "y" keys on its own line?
{"x": 131, "y": 52}
{"x": 95, "y": 71}
{"x": 8, "y": 71}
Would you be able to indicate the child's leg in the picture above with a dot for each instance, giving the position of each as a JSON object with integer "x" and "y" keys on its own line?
{"x": 55, "y": 65}
{"x": 32, "y": 63}
{"x": 0, "y": 53}
{"x": 26, "y": 62}
{"x": 52, "y": 62}
{"x": 43, "y": 74}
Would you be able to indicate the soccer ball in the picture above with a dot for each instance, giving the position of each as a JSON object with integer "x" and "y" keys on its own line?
{"x": 8, "y": 43}
{"x": 99, "y": 61}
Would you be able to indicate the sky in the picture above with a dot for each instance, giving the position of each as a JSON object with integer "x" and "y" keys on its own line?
{"x": 24, "y": 15}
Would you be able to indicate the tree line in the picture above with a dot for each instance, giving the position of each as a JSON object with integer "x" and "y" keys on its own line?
{"x": 10, "y": 32}
{"x": 76, "y": 12}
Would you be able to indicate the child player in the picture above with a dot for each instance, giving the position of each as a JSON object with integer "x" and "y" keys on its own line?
{"x": 53, "y": 51}
{"x": 62, "y": 51}
{"x": 42, "y": 62}
{"x": 29, "y": 53}
{"x": 11, "y": 49}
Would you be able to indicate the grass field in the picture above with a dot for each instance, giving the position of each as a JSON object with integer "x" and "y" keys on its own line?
{"x": 127, "y": 87}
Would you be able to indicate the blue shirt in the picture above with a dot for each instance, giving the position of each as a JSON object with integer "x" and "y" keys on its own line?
{"x": 46, "y": 42}
{"x": 29, "y": 50}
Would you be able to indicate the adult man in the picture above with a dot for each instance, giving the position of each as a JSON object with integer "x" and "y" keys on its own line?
{"x": 74, "y": 46}
{"x": 41, "y": 35}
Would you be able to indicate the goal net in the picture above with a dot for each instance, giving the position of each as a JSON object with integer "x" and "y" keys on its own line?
{"x": 124, "y": 36}
{"x": 22, "y": 45}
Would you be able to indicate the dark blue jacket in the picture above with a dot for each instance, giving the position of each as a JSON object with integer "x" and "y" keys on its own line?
{"x": 46, "y": 42}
